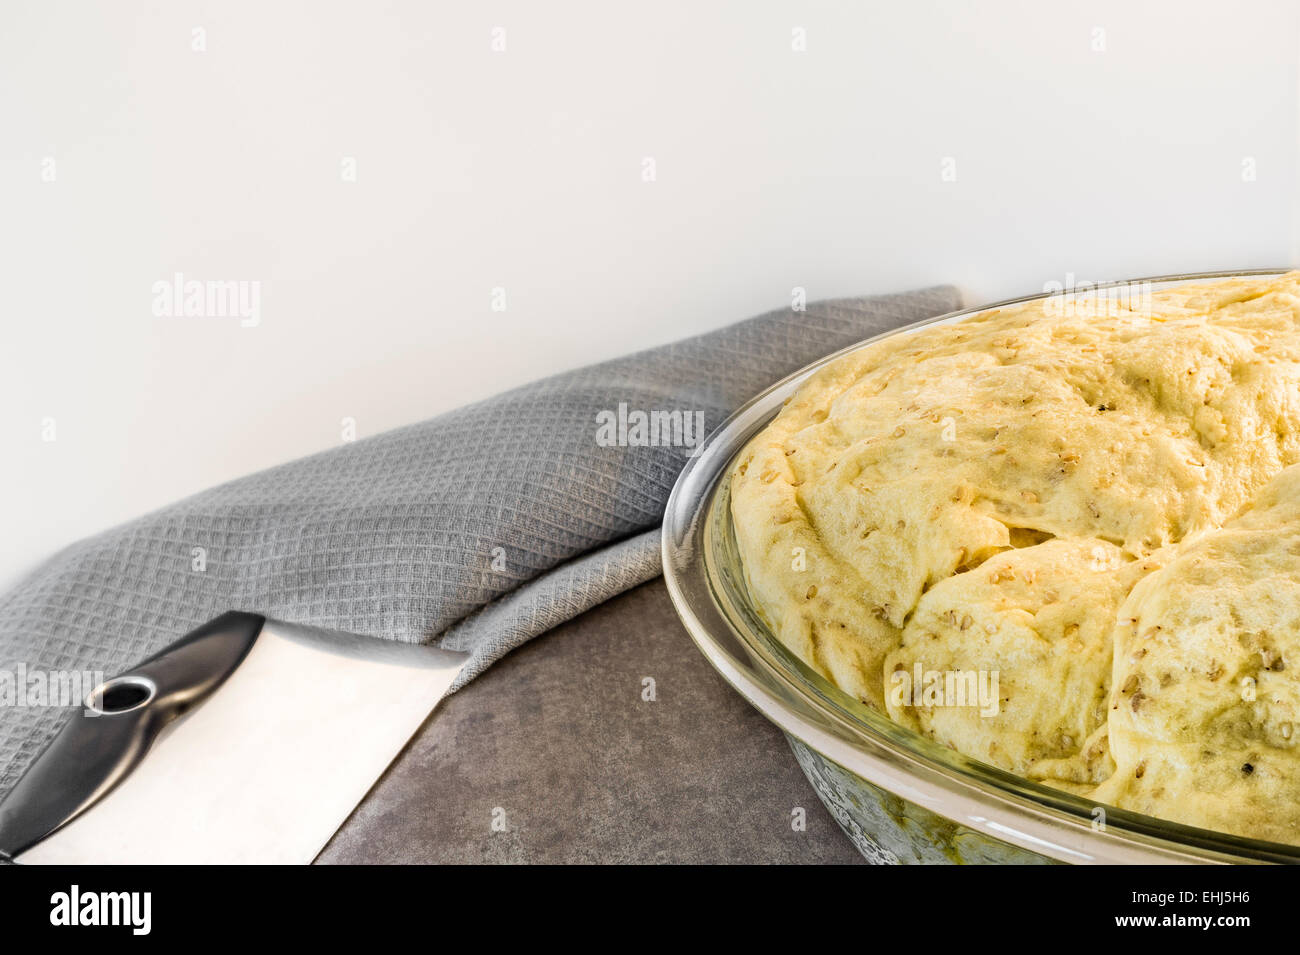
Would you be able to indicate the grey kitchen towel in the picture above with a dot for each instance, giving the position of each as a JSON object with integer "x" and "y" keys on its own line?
{"x": 479, "y": 528}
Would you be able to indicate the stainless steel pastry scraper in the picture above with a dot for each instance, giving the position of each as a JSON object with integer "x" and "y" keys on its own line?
{"x": 247, "y": 740}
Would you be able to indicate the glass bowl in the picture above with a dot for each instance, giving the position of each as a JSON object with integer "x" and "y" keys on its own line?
{"x": 899, "y": 796}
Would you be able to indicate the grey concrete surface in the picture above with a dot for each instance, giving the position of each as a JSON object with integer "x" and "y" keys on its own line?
{"x": 559, "y": 745}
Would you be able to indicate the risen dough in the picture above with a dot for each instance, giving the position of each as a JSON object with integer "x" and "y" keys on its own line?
{"x": 984, "y": 496}
{"x": 1205, "y": 717}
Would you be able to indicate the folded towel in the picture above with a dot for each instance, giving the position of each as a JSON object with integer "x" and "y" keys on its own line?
{"x": 479, "y": 528}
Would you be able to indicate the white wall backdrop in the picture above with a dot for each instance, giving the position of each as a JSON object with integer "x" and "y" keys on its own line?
{"x": 141, "y": 139}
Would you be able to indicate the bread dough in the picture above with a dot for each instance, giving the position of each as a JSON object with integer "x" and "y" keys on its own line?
{"x": 997, "y": 494}
{"x": 1205, "y": 718}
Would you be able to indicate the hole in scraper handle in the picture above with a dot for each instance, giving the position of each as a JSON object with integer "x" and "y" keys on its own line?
{"x": 121, "y": 695}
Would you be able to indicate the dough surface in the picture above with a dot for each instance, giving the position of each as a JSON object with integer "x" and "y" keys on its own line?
{"x": 1078, "y": 502}
{"x": 1205, "y": 720}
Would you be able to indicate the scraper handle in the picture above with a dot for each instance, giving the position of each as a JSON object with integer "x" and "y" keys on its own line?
{"x": 106, "y": 739}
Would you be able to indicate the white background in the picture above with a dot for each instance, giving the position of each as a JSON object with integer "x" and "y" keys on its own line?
{"x": 523, "y": 170}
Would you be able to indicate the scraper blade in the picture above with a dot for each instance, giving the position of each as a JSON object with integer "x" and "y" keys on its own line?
{"x": 246, "y": 741}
